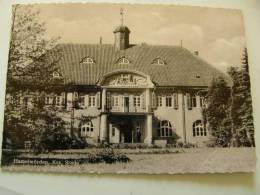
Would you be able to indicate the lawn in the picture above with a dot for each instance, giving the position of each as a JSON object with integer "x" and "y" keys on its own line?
{"x": 190, "y": 160}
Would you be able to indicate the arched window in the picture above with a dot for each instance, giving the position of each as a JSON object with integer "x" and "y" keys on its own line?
{"x": 198, "y": 129}
{"x": 87, "y": 60}
{"x": 164, "y": 129}
{"x": 86, "y": 129}
{"x": 158, "y": 61}
{"x": 123, "y": 60}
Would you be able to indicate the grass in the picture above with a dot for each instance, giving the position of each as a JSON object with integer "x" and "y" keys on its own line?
{"x": 190, "y": 160}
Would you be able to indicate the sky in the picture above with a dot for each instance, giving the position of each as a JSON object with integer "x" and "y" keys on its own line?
{"x": 218, "y": 34}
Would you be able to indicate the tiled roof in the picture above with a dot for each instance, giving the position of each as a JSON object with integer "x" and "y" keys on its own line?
{"x": 182, "y": 67}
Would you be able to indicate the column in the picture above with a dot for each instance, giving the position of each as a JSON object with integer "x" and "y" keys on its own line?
{"x": 104, "y": 99}
{"x": 183, "y": 117}
{"x": 148, "y": 100}
{"x": 103, "y": 128}
{"x": 149, "y": 129}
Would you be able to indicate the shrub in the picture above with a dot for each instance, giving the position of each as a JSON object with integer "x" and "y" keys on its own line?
{"x": 107, "y": 155}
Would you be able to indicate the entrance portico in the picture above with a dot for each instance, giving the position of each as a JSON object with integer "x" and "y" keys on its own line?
{"x": 126, "y": 115}
{"x": 126, "y": 128}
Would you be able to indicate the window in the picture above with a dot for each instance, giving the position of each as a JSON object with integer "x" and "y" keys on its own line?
{"x": 202, "y": 102}
{"x": 193, "y": 101}
{"x": 86, "y": 129}
{"x": 92, "y": 101}
{"x": 25, "y": 102}
{"x": 168, "y": 101}
{"x": 115, "y": 101}
{"x": 159, "y": 101}
{"x": 113, "y": 131}
{"x": 164, "y": 129}
{"x": 47, "y": 100}
{"x": 175, "y": 101}
{"x": 158, "y": 61}
{"x": 56, "y": 75}
{"x": 27, "y": 145}
{"x": 137, "y": 101}
{"x": 123, "y": 60}
{"x": 82, "y": 100}
{"x": 75, "y": 95}
{"x": 58, "y": 100}
{"x": 88, "y": 60}
{"x": 198, "y": 129}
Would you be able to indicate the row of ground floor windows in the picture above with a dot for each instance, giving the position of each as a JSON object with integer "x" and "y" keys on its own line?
{"x": 164, "y": 129}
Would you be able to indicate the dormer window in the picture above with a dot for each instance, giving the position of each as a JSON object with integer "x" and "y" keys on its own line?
{"x": 87, "y": 60}
{"x": 158, "y": 61}
{"x": 123, "y": 60}
{"x": 56, "y": 75}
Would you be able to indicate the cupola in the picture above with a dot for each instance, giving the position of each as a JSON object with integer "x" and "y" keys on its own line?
{"x": 121, "y": 35}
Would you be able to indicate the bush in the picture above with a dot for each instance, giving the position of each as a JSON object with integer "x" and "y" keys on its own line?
{"x": 58, "y": 140}
{"x": 223, "y": 138}
{"x": 109, "y": 156}
{"x": 179, "y": 144}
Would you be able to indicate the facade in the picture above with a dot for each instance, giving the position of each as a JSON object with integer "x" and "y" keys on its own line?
{"x": 133, "y": 93}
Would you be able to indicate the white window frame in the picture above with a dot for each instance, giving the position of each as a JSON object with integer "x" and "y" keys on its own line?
{"x": 86, "y": 129}
{"x": 137, "y": 101}
{"x": 56, "y": 74}
{"x": 113, "y": 131}
{"x": 175, "y": 101}
{"x": 116, "y": 101}
{"x": 193, "y": 101}
{"x": 88, "y": 60}
{"x": 158, "y": 61}
{"x": 168, "y": 101}
{"x": 91, "y": 100}
{"x": 159, "y": 101}
{"x": 49, "y": 100}
{"x": 123, "y": 60}
{"x": 58, "y": 100}
{"x": 82, "y": 100}
{"x": 165, "y": 129}
{"x": 198, "y": 129}
{"x": 202, "y": 102}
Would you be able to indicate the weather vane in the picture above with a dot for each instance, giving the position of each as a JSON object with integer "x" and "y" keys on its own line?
{"x": 122, "y": 16}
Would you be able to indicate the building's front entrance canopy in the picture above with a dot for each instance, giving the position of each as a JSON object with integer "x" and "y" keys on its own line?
{"x": 126, "y": 93}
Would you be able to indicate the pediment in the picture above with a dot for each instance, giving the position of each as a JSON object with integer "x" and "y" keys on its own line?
{"x": 126, "y": 80}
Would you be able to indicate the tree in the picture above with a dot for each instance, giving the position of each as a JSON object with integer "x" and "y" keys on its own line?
{"x": 217, "y": 111}
{"x": 242, "y": 112}
{"x": 32, "y": 57}
{"x": 32, "y": 62}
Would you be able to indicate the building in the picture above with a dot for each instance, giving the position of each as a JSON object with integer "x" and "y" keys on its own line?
{"x": 129, "y": 93}
{"x": 135, "y": 93}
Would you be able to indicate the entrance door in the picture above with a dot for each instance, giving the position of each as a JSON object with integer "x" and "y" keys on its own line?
{"x": 126, "y": 130}
{"x": 126, "y": 104}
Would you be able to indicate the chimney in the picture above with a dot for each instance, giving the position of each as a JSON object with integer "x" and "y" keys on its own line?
{"x": 100, "y": 40}
{"x": 196, "y": 53}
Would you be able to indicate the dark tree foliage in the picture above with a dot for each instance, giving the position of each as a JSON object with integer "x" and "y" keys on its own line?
{"x": 217, "y": 111}
{"x": 32, "y": 62}
{"x": 242, "y": 111}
